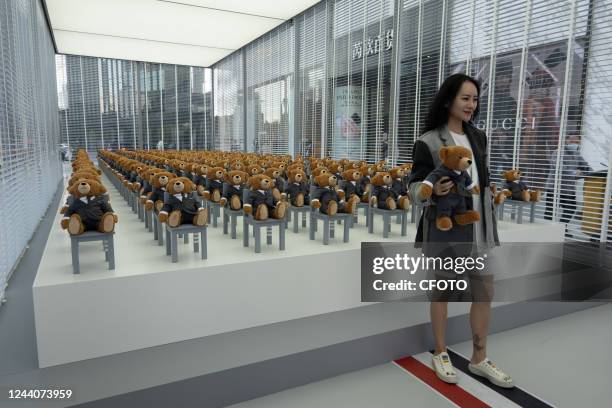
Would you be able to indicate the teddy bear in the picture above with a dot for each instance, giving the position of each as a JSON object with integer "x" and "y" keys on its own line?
{"x": 399, "y": 183}
{"x": 297, "y": 191}
{"x": 336, "y": 169}
{"x": 76, "y": 178}
{"x": 201, "y": 177}
{"x": 278, "y": 183}
{"x": 367, "y": 171}
{"x": 214, "y": 188}
{"x": 147, "y": 185}
{"x": 235, "y": 182}
{"x": 181, "y": 207}
{"x": 351, "y": 185}
{"x": 260, "y": 201}
{"x": 156, "y": 198}
{"x": 90, "y": 209}
{"x": 383, "y": 194}
{"x": 455, "y": 160}
{"x": 327, "y": 199}
{"x": 517, "y": 189}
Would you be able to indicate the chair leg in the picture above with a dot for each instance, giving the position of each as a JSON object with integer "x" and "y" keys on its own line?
{"x": 311, "y": 230}
{"x": 281, "y": 234}
{"x": 245, "y": 232}
{"x": 257, "y": 230}
{"x": 332, "y": 229}
{"x": 111, "y": 252}
{"x": 185, "y": 238}
{"x": 347, "y": 226}
{"x": 370, "y": 221}
{"x": 295, "y": 223}
{"x": 532, "y": 212}
{"x": 303, "y": 220}
{"x": 404, "y": 223}
{"x": 326, "y": 227}
{"x": 174, "y": 238}
{"x": 75, "y": 256}
{"x": 269, "y": 235}
{"x": 203, "y": 244}
{"x": 225, "y": 221}
{"x": 160, "y": 228}
{"x": 168, "y": 242}
{"x": 233, "y": 222}
{"x": 386, "y": 225}
{"x": 155, "y": 229}
{"x": 196, "y": 247}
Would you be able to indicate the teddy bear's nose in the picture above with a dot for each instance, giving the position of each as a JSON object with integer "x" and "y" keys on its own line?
{"x": 469, "y": 161}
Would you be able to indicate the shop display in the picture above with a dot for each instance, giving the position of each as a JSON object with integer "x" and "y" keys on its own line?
{"x": 455, "y": 160}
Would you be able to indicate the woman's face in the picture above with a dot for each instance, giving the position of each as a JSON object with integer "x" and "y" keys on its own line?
{"x": 465, "y": 102}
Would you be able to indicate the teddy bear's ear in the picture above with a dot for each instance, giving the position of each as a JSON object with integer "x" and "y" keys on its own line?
{"x": 443, "y": 153}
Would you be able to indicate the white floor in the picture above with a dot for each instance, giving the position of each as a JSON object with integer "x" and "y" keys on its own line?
{"x": 564, "y": 361}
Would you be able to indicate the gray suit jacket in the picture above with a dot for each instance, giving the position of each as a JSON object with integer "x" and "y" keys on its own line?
{"x": 425, "y": 159}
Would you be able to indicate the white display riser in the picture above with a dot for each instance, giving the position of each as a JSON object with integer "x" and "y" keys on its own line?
{"x": 148, "y": 301}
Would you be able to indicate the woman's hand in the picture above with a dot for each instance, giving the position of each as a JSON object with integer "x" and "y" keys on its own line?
{"x": 442, "y": 187}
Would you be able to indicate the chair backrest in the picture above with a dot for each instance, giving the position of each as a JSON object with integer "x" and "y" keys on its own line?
{"x": 166, "y": 197}
{"x": 225, "y": 187}
{"x": 245, "y": 194}
{"x": 312, "y": 189}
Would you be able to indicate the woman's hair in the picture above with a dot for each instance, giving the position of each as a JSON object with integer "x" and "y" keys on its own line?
{"x": 439, "y": 108}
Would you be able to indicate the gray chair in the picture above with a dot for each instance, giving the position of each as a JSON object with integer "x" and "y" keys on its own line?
{"x": 517, "y": 207}
{"x": 249, "y": 220}
{"x": 387, "y": 215}
{"x": 108, "y": 245}
{"x": 328, "y": 223}
{"x": 230, "y": 216}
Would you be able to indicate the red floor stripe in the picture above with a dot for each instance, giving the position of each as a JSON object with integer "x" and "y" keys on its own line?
{"x": 451, "y": 391}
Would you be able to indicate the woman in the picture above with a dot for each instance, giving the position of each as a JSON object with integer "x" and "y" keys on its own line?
{"x": 449, "y": 123}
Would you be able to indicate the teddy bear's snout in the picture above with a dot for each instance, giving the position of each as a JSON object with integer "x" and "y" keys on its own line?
{"x": 469, "y": 162}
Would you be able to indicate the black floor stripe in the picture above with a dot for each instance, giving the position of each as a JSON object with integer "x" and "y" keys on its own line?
{"x": 516, "y": 394}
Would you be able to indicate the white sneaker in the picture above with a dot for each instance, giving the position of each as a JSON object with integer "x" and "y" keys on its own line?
{"x": 487, "y": 369}
{"x": 444, "y": 368}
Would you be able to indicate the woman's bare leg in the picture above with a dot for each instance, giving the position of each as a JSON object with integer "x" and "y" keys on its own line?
{"x": 439, "y": 317}
{"x": 480, "y": 316}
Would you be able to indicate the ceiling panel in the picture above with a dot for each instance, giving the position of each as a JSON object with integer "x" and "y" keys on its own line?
{"x": 142, "y": 29}
{"x": 137, "y": 50}
{"x": 270, "y": 8}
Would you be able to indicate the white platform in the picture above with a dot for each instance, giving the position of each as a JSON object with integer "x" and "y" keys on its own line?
{"x": 148, "y": 301}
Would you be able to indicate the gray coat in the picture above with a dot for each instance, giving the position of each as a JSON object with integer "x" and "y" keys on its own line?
{"x": 425, "y": 158}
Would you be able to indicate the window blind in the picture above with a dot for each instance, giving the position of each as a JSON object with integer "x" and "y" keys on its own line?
{"x": 359, "y": 79}
{"x": 312, "y": 33}
{"x": 29, "y": 158}
{"x": 269, "y": 78}
{"x": 229, "y": 103}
